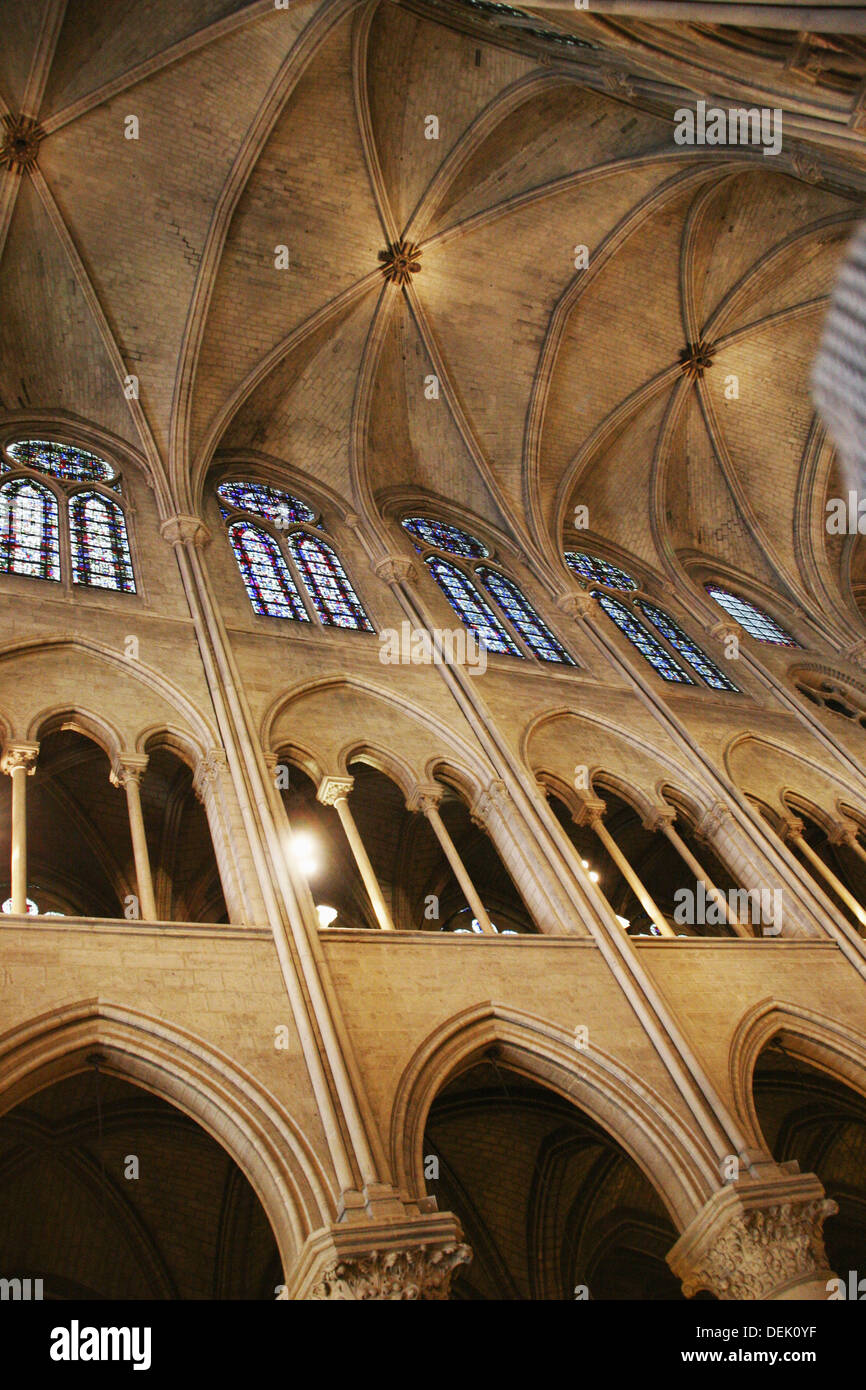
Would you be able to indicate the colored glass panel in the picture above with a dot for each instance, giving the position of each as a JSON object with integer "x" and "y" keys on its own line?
{"x": 445, "y": 537}
{"x": 755, "y": 621}
{"x": 273, "y": 593}
{"x": 694, "y": 655}
{"x": 646, "y": 644}
{"x": 61, "y": 460}
{"x": 270, "y": 502}
{"x": 520, "y": 612}
{"x": 328, "y": 585}
{"x": 100, "y": 548}
{"x": 29, "y": 541}
{"x": 471, "y": 608}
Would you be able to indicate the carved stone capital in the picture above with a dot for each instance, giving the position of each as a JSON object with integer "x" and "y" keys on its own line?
{"x": 181, "y": 529}
{"x": 590, "y": 809}
{"x": 128, "y": 767}
{"x": 424, "y": 797}
{"x": 492, "y": 801}
{"x": 712, "y": 821}
{"x": 658, "y": 816}
{"x": 17, "y": 755}
{"x": 576, "y": 603}
{"x": 857, "y": 650}
{"x": 758, "y": 1241}
{"x": 331, "y": 789}
{"x": 791, "y": 828}
{"x": 842, "y": 832}
{"x": 396, "y": 569}
{"x": 396, "y": 1262}
{"x": 208, "y": 772}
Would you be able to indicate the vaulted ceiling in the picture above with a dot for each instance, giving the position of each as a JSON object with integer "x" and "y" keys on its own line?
{"x": 306, "y": 128}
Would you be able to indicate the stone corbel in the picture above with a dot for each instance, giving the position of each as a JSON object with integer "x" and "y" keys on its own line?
{"x": 181, "y": 529}
{"x": 396, "y": 569}
{"x": 726, "y": 628}
{"x": 576, "y": 603}
{"x": 759, "y": 1240}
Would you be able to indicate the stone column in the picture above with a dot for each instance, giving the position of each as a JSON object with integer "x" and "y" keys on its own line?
{"x": 793, "y": 831}
{"x": 19, "y": 761}
{"x": 334, "y": 791}
{"x": 593, "y": 809}
{"x": 662, "y": 819}
{"x": 126, "y": 772}
{"x": 761, "y": 1240}
{"x": 426, "y": 800}
{"x": 213, "y": 786}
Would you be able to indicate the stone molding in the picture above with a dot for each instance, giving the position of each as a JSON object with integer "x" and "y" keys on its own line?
{"x": 493, "y": 800}
{"x": 759, "y": 1241}
{"x": 576, "y": 603}
{"x": 717, "y": 817}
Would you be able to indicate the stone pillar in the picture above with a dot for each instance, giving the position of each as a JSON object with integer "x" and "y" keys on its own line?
{"x": 592, "y": 812}
{"x": 426, "y": 800}
{"x": 212, "y": 785}
{"x": 19, "y": 761}
{"x": 126, "y": 771}
{"x": 334, "y": 791}
{"x": 662, "y": 819}
{"x": 793, "y": 831}
{"x": 760, "y": 1240}
{"x": 403, "y": 1262}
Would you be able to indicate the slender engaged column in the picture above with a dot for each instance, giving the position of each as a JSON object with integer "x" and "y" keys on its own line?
{"x": 661, "y": 821}
{"x": 127, "y": 772}
{"x": 334, "y": 791}
{"x": 426, "y": 800}
{"x": 796, "y": 838}
{"x": 19, "y": 761}
{"x": 593, "y": 818}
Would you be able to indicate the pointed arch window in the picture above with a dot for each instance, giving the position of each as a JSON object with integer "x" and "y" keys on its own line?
{"x": 29, "y": 533}
{"x": 271, "y": 588}
{"x": 756, "y": 622}
{"x": 327, "y": 583}
{"x": 520, "y": 613}
{"x": 289, "y": 569}
{"x": 99, "y": 544}
{"x": 709, "y": 672}
{"x": 646, "y": 644}
{"x": 473, "y": 612}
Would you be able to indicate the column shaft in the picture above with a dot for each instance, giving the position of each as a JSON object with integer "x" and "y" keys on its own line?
{"x": 19, "y": 839}
{"x": 838, "y": 888}
{"x": 143, "y": 875}
{"x": 630, "y": 876}
{"x": 685, "y": 853}
{"x": 356, "y": 844}
{"x": 459, "y": 868}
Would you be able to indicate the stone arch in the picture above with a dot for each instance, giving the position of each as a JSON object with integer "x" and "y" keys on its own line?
{"x": 390, "y": 764}
{"x": 830, "y": 1046}
{"x": 757, "y": 764}
{"x": 672, "y": 1156}
{"x": 79, "y": 720}
{"x": 190, "y": 1074}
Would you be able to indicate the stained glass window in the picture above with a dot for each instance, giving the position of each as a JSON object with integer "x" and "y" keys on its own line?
{"x": 756, "y": 622}
{"x": 445, "y": 537}
{"x": 694, "y": 655}
{"x": 335, "y": 600}
{"x": 100, "y": 549}
{"x": 61, "y": 460}
{"x": 593, "y": 570}
{"x": 473, "y": 611}
{"x": 272, "y": 590}
{"x": 270, "y": 502}
{"x": 520, "y": 612}
{"x": 646, "y": 644}
{"x": 29, "y": 542}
